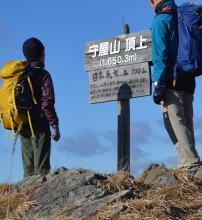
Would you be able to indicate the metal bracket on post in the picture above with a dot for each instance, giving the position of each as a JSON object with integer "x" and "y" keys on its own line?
{"x": 124, "y": 128}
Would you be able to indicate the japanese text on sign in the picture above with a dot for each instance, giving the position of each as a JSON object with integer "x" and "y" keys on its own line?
{"x": 119, "y": 67}
{"x": 106, "y": 84}
{"x": 117, "y": 51}
{"x": 109, "y": 48}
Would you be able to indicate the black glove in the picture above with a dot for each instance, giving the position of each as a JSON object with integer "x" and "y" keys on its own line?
{"x": 158, "y": 95}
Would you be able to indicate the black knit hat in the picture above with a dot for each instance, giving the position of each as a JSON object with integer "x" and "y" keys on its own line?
{"x": 32, "y": 49}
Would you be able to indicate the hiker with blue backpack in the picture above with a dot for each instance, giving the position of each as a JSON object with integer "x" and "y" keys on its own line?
{"x": 177, "y": 60}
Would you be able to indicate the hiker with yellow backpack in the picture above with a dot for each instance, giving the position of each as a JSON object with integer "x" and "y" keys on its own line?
{"x": 27, "y": 107}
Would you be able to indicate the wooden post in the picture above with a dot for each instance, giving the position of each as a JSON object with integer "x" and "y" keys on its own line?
{"x": 124, "y": 128}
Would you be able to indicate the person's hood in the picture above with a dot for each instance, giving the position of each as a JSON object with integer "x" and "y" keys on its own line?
{"x": 12, "y": 69}
{"x": 165, "y": 4}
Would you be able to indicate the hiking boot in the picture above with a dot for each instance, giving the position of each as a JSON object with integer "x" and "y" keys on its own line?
{"x": 192, "y": 170}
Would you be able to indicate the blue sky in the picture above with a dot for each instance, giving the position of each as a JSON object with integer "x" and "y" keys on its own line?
{"x": 89, "y": 132}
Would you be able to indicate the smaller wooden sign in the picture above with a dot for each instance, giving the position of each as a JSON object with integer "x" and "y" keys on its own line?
{"x": 120, "y": 83}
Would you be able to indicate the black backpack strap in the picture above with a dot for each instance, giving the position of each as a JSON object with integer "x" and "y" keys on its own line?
{"x": 27, "y": 72}
{"x": 26, "y": 77}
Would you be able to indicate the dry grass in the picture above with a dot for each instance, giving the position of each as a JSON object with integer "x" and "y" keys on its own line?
{"x": 64, "y": 218}
{"x": 13, "y": 205}
{"x": 181, "y": 202}
{"x": 121, "y": 181}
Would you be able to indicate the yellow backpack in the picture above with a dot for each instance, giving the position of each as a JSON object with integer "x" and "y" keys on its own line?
{"x": 13, "y": 113}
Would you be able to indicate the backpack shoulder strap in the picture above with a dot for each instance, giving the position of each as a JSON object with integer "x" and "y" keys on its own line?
{"x": 26, "y": 75}
{"x": 167, "y": 10}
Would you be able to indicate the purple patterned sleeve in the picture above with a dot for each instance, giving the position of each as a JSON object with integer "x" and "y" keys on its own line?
{"x": 48, "y": 100}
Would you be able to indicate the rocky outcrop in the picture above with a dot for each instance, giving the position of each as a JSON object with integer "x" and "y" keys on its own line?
{"x": 73, "y": 193}
{"x": 80, "y": 193}
{"x": 158, "y": 175}
{"x": 94, "y": 206}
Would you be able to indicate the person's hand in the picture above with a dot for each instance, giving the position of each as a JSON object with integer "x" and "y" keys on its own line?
{"x": 158, "y": 95}
{"x": 56, "y": 133}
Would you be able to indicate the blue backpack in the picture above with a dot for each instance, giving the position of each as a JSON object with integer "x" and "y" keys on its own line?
{"x": 189, "y": 58}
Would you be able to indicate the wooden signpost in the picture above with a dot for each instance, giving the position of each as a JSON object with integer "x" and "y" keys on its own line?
{"x": 118, "y": 70}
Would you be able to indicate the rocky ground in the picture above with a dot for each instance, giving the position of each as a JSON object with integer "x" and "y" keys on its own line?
{"x": 72, "y": 194}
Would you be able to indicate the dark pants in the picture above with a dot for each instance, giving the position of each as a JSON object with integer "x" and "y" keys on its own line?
{"x": 36, "y": 150}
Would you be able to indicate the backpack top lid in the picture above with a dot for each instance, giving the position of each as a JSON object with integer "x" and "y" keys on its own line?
{"x": 12, "y": 69}
{"x": 190, "y": 7}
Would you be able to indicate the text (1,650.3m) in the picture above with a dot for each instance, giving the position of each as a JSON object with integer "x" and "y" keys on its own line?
{"x": 117, "y": 60}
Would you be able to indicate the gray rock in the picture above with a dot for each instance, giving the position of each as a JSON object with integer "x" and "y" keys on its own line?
{"x": 35, "y": 179}
{"x": 119, "y": 209}
{"x": 55, "y": 172}
{"x": 198, "y": 174}
{"x": 158, "y": 176}
{"x": 153, "y": 166}
{"x": 200, "y": 210}
{"x": 167, "y": 179}
{"x": 67, "y": 190}
{"x": 43, "y": 218}
{"x": 26, "y": 182}
{"x": 94, "y": 206}
{"x": 153, "y": 172}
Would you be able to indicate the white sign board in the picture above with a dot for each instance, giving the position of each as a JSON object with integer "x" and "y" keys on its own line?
{"x": 119, "y": 67}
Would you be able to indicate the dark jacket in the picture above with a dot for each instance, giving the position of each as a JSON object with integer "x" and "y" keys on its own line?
{"x": 44, "y": 92}
{"x": 164, "y": 50}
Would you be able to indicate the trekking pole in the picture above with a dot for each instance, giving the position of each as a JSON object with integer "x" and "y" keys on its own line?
{"x": 16, "y": 136}
{"x": 11, "y": 168}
